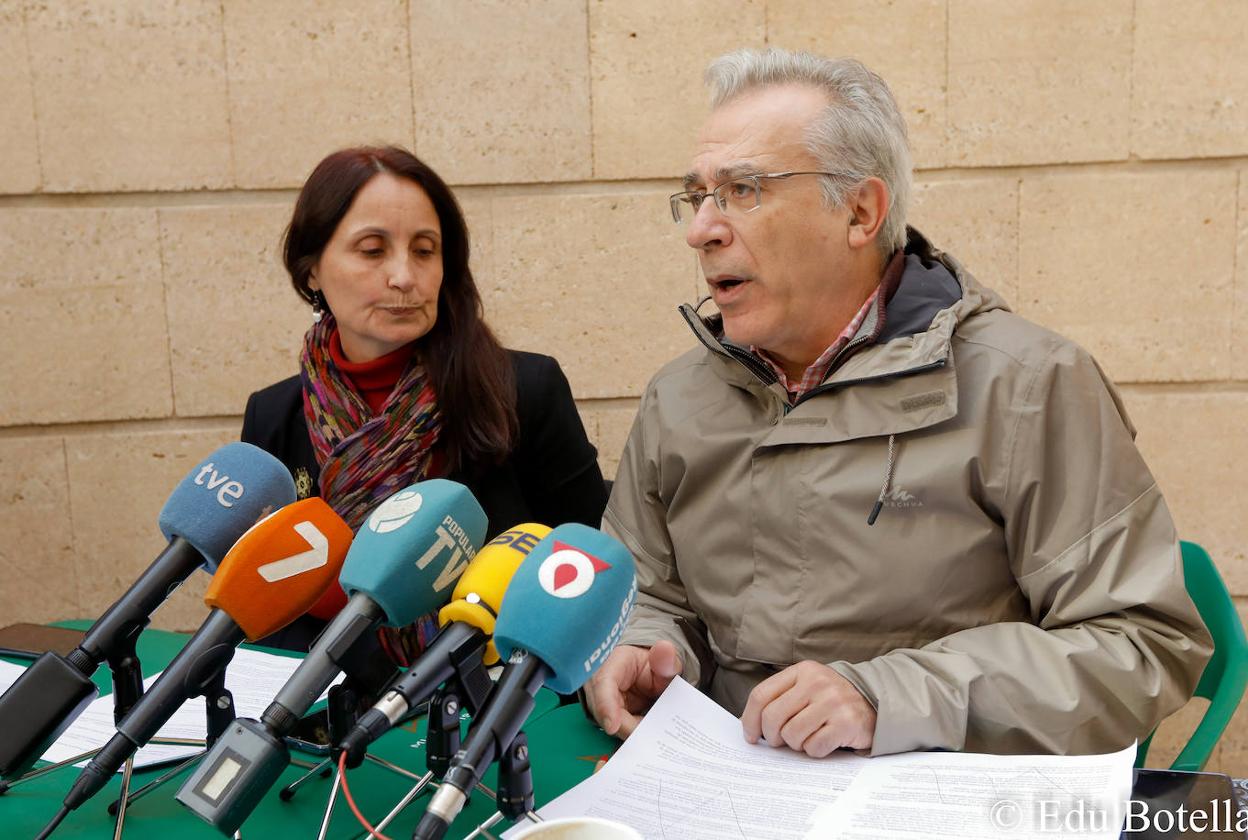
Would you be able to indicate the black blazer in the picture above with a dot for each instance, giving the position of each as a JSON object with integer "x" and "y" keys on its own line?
{"x": 551, "y": 476}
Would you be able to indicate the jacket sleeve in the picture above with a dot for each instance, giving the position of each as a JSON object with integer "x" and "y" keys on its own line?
{"x": 1115, "y": 643}
{"x": 637, "y": 516}
{"x": 560, "y": 472}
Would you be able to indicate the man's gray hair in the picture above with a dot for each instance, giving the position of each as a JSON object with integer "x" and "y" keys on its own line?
{"x": 860, "y": 133}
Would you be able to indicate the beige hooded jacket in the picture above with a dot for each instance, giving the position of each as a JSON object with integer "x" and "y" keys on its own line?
{"x": 1021, "y": 588}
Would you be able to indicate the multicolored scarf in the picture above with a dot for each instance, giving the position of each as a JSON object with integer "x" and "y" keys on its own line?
{"x": 365, "y": 458}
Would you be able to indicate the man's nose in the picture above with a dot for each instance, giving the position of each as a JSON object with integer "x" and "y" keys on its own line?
{"x": 708, "y": 228}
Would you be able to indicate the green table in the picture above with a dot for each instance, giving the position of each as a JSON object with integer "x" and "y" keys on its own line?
{"x": 563, "y": 746}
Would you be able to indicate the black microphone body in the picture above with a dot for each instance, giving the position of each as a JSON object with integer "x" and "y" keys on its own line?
{"x": 492, "y": 732}
{"x": 458, "y": 646}
{"x": 200, "y": 662}
{"x": 323, "y": 663}
{"x": 124, "y": 620}
{"x": 55, "y": 690}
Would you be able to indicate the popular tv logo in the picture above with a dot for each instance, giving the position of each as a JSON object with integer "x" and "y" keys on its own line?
{"x": 395, "y": 512}
{"x": 569, "y": 572}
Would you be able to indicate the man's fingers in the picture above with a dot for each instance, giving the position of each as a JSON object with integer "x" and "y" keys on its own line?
{"x": 665, "y": 660}
{"x": 779, "y": 712}
{"x": 661, "y": 665}
{"x": 627, "y": 724}
{"x": 824, "y": 741}
{"x": 608, "y": 687}
{"x": 763, "y": 693}
{"x": 798, "y": 729}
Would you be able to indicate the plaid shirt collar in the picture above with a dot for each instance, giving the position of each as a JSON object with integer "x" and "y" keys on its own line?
{"x": 819, "y": 368}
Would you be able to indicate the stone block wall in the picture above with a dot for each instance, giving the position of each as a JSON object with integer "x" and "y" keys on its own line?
{"x": 1088, "y": 160}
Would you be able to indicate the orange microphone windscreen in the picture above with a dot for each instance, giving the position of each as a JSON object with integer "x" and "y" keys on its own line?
{"x": 279, "y": 568}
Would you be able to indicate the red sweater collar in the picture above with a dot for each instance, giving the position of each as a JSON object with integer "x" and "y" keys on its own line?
{"x": 373, "y": 380}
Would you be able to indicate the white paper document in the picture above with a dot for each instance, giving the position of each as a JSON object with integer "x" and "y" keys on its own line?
{"x": 254, "y": 678}
{"x": 688, "y": 773}
{"x": 9, "y": 674}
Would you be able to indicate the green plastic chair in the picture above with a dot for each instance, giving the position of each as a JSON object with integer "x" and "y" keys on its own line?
{"x": 1226, "y": 675}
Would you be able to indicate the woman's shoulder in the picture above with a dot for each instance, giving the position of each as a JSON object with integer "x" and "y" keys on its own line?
{"x": 285, "y": 391}
{"x": 270, "y": 409}
{"x": 533, "y": 366}
{"x": 539, "y": 381}
{"x": 277, "y": 399}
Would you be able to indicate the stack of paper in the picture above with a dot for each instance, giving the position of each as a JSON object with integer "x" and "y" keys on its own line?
{"x": 687, "y": 772}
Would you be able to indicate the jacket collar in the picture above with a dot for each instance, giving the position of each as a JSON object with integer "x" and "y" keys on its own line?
{"x": 934, "y": 295}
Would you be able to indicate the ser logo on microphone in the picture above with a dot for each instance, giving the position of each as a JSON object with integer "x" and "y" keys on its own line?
{"x": 569, "y": 572}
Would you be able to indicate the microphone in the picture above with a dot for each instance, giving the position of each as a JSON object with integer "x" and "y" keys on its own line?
{"x": 402, "y": 564}
{"x": 207, "y": 512}
{"x": 467, "y": 625}
{"x": 564, "y": 611}
{"x": 269, "y": 578}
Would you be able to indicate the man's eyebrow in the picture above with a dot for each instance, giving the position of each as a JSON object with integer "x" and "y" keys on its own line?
{"x": 724, "y": 173}
{"x": 736, "y": 170}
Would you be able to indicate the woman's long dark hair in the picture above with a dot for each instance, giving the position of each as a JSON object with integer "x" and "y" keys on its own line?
{"x": 470, "y": 371}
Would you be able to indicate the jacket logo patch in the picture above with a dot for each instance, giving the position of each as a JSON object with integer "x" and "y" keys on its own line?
{"x": 899, "y": 498}
{"x": 928, "y": 400}
{"x": 805, "y": 421}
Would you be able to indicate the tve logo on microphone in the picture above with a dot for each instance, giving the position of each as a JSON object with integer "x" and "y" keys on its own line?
{"x": 569, "y": 572}
{"x": 225, "y": 487}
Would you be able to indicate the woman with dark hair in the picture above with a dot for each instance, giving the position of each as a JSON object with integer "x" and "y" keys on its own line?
{"x": 401, "y": 379}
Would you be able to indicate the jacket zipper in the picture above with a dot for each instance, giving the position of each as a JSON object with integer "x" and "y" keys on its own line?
{"x": 760, "y": 370}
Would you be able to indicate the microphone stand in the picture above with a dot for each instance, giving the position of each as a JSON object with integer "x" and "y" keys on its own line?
{"x": 123, "y": 664}
{"x": 219, "y": 713}
{"x": 515, "y": 788}
{"x": 368, "y": 671}
{"x": 443, "y": 734}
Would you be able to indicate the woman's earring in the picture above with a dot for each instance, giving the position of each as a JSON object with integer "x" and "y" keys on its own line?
{"x": 318, "y": 306}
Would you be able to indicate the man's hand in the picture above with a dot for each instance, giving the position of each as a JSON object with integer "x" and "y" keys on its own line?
{"x": 628, "y": 683}
{"x": 811, "y": 708}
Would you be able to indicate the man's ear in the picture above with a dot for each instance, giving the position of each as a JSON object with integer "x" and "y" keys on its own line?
{"x": 868, "y": 208}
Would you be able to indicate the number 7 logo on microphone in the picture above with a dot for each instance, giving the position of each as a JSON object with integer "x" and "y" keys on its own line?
{"x": 314, "y": 558}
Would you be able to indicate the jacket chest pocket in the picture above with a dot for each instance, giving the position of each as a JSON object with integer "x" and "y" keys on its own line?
{"x": 933, "y": 562}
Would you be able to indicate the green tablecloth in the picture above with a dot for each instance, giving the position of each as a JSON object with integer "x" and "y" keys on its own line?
{"x": 563, "y": 747}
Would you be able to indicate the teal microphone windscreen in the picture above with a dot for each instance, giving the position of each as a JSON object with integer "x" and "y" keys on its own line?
{"x": 223, "y": 496}
{"x": 410, "y": 551}
{"x": 568, "y": 603}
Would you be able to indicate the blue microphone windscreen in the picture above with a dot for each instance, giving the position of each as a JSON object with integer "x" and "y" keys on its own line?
{"x": 223, "y": 496}
{"x": 410, "y": 550}
{"x": 568, "y": 603}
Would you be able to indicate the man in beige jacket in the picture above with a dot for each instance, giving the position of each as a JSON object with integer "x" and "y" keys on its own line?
{"x": 873, "y": 508}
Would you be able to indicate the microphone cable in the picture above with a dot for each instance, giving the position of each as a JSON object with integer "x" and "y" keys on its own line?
{"x": 346, "y": 791}
{"x": 51, "y": 827}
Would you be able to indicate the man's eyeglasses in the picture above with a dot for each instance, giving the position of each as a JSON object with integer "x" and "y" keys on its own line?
{"x": 733, "y": 198}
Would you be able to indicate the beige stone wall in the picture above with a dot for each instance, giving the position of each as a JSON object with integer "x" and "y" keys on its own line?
{"x": 1087, "y": 159}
